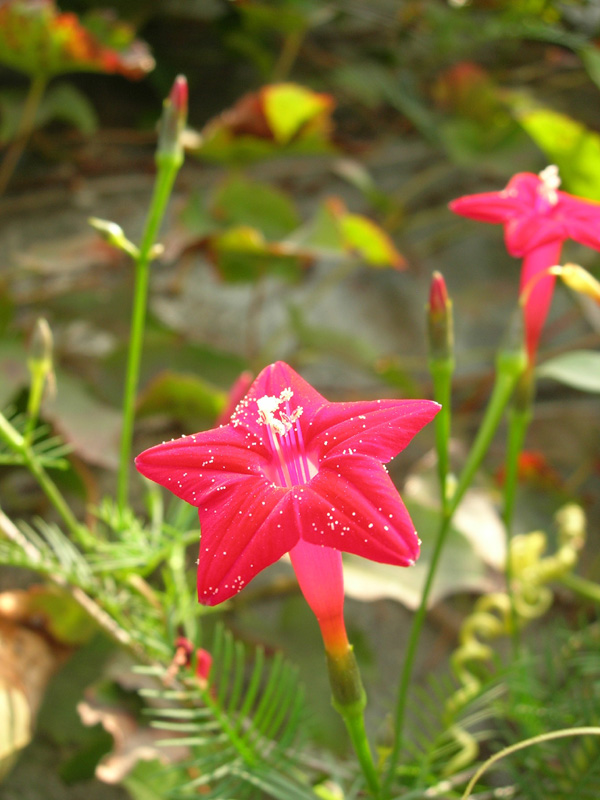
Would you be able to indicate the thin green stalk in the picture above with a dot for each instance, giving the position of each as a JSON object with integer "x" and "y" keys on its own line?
{"x": 349, "y": 699}
{"x": 583, "y": 587}
{"x": 36, "y": 91}
{"x": 441, "y": 372}
{"x": 563, "y": 733}
{"x": 411, "y": 652}
{"x": 355, "y": 725}
{"x": 519, "y": 418}
{"x": 509, "y": 367}
{"x": 167, "y": 171}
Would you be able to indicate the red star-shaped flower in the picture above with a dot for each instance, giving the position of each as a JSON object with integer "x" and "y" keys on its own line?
{"x": 294, "y": 473}
{"x": 537, "y": 219}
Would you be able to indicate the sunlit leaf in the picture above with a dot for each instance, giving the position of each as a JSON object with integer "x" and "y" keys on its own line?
{"x": 279, "y": 118}
{"x": 336, "y": 229}
{"x": 365, "y": 237}
{"x": 36, "y": 38}
{"x": 567, "y": 143}
{"x": 579, "y": 369}
{"x": 288, "y": 107}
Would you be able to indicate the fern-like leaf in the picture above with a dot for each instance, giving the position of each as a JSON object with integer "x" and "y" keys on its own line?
{"x": 47, "y": 449}
{"x": 241, "y": 726}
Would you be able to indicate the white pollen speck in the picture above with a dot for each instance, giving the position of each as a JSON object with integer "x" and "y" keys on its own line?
{"x": 370, "y": 524}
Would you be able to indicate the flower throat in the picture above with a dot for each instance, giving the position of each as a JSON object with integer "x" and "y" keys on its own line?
{"x": 285, "y": 438}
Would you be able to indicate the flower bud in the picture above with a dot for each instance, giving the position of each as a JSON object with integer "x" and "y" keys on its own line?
{"x": 204, "y": 662}
{"x": 114, "y": 235}
{"x": 41, "y": 344}
{"x": 173, "y": 121}
{"x": 439, "y": 319}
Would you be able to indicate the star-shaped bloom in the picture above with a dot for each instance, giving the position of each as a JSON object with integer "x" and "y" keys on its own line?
{"x": 293, "y": 473}
{"x": 537, "y": 219}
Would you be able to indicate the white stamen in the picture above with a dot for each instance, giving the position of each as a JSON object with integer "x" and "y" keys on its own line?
{"x": 550, "y": 182}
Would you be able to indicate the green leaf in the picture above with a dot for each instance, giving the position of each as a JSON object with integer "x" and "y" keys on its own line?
{"x": 240, "y": 738}
{"x": 184, "y": 396}
{"x": 365, "y": 237}
{"x": 242, "y": 201}
{"x": 243, "y": 254}
{"x": 590, "y": 56}
{"x": 64, "y": 102}
{"x": 579, "y": 369}
{"x": 279, "y": 118}
{"x": 337, "y": 230}
{"x": 71, "y": 411}
{"x": 570, "y": 145}
{"x": 288, "y": 107}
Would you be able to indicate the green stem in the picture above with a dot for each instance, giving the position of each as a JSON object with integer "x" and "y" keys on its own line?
{"x": 289, "y": 53}
{"x": 518, "y": 423}
{"x": 349, "y": 700}
{"x": 36, "y": 91}
{"x": 563, "y": 733}
{"x": 583, "y": 587}
{"x": 509, "y": 367}
{"x": 411, "y": 651}
{"x": 355, "y": 725}
{"x": 167, "y": 171}
{"x": 441, "y": 372}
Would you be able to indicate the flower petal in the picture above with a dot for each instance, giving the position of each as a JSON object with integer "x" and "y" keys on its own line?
{"x": 377, "y": 428}
{"x": 244, "y": 530}
{"x": 499, "y": 207}
{"x": 531, "y": 231}
{"x": 204, "y": 462}
{"x": 539, "y": 293}
{"x": 321, "y": 579}
{"x": 271, "y": 382}
{"x": 353, "y": 506}
{"x": 581, "y": 219}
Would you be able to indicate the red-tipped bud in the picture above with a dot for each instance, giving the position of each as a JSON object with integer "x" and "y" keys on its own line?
{"x": 438, "y": 294}
{"x": 179, "y": 98}
{"x": 204, "y": 662}
{"x": 173, "y": 121}
{"x": 439, "y": 319}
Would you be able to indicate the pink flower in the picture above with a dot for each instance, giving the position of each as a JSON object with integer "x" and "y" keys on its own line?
{"x": 294, "y": 473}
{"x": 537, "y": 219}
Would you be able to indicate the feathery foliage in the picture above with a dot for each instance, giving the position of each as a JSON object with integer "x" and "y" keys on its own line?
{"x": 241, "y": 724}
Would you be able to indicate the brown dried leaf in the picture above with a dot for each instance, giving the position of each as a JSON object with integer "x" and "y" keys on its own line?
{"x": 132, "y": 742}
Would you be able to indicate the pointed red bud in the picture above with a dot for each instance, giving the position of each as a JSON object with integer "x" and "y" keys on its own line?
{"x": 438, "y": 294}
{"x": 173, "y": 121}
{"x": 204, "y": 662}
{"x": 179, "y": 98}
{"x": 439, "y": 319}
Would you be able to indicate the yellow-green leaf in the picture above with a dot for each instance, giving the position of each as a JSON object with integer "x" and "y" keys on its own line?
{"x": 288, "y": 107}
